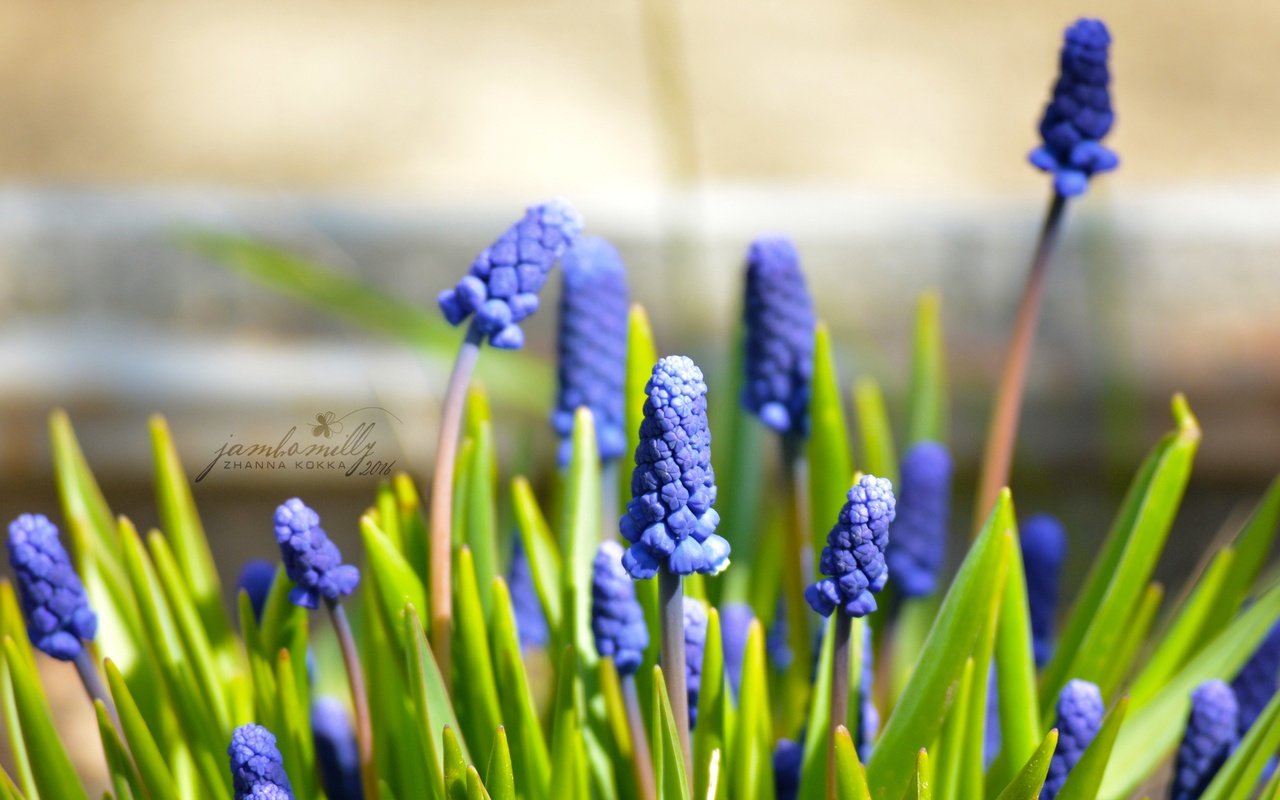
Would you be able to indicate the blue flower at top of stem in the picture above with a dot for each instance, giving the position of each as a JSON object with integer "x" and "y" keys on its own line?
{"x": 53, "y": 599}
{"x": 853, "y": 559}
{"x": 311, "y": 560}
{"x": 779, "y": 320}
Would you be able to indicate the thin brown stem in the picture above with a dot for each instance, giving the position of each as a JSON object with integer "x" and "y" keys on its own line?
{"x": 671, "y": 601}
{"x": 839, "y": 692}
{"x": 440, "y": 563}
{"x": 1003, "y": 431}
{"x": 359, "y": 698}
{"x": 88, "y": 672}
{"x": 639, "y": 740}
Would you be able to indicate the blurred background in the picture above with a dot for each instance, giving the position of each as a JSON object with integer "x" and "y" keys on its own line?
{"x": 390, "y": 140}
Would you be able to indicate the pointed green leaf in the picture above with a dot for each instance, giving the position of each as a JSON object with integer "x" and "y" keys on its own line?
{"x": 581, "y": 530}
{"x": 813, "y": 767}
{"x": 920, "y": 787}
{"x": 51, "y": 767}
{"x": 673, "y": 783}
{"x": 125, "y": 780}
{"x": 532, "y": 760}
{"x": 1139, "y": 627}
{"x": 1085, "y": 777}
{"x": 710, "y": 734}
{"x": 294, "y": 733}
{"x": 953, "y": 749}
{"x": 927, "y": 396}
{"x": 1252, "y": 546}
{"x": 455, "y": 768}
{"x": 642, "y": 354}
{"x": 878, "y": 452}
{"x": 475, "y": 789}
{"x": 827, "y": 447}
{"x": 479, "y": 710}
{"x": 481, "y": 533}
{"x": 739, "y": 459}
{"x": 1019, "y": 702}
{"x": 568, "y": 762}
{"x": 1027, "y": 784}
{"x": 851, "y": 781}
{"x": 389, "y": 572}
{"x": 541, "y": 548}
{"x": 498, "y": 776}
{"x": 430, "y": 704}
{"x": 751, "y": 775}
{"x": 151, "y": 764}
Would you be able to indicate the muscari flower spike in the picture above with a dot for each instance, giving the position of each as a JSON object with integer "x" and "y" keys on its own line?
{"x": 853, "y": 558}
{"x": 54, "y": 603}
{"x": 617, "y": 620}
{"x": 256, "y": 577}
{"x": 1044, "y": 548}
{"x": 1079, "y": 114}
{"x": 337, "y": 752}
{"x": 778, "y": 314}
{"x": 868, "y": 714}
{"x": 1257, "y": 681}
{"x": 918, "y": 545}
{"x": 1080, "y": 711}
{"x": 257, "y": 768}
{"x": 1210, "y": 737}
{"x": 777, "y": 639}
{"x": 501, "y": 288}
{"x": 788, "y": 758}
{"x": 592, "y": 344}
{"x": 311, "y": 560}
{"x": 695, "y": 645}
{"x": 735, "y": 626}
{"x": 669, "y": 521}
{"x": 531, "y": 623}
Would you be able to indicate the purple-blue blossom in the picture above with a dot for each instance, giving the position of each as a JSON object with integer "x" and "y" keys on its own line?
{"x": 1079, "y": 114}
{"x": 501, "y": 288}
{"x": 735, "y": 626}
{"x": 256, "y": 577}
{"x": 1257, "y": 682}
{"x": 669, "y": 520}
{"x": 1080, "y": 711}
{"x": 918, "y": 544}
{"x": 311, "y": 560}
{"x": 53, "y": 599}
{"x": 788, "y": 758}
{"x": 779, "y": 322}
{"x": 617, "y": 620}
{"x": 695, "y": 645}
{"x": 531, "y": 623}
{"x": 1044, "y": 548}
{"x": 853, "y": 559}
{"x": 337, "y": 752}
{"x": 1209, "y": 738}
{"x": 868, "y": 713}
{"x": 592, "y": 345}
{"x": 257, "y": 767}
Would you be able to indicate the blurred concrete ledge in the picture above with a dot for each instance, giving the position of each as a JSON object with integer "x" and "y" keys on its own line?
{"x": 102, "y": 312}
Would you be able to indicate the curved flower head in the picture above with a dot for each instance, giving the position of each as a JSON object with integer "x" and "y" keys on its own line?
{"x": 695, "y": 645}
{"x": 592, "y": 343}
{"x": 531, "y": 623}
{"x": 1257, "y": 681}
{"x": 853, "y": 559}
{"x": 256, "y": 577}
{"x": 1079, "y": 113}
{"x": 337, "y": 753}
{"x": 1210, "y": 737}
{"x": 501, "y": 288}
{"x": 53, "y": 599}
{"x": 1044, "y": 548}
{"x": 1080, "y": 711}
{"x": 918, "y": 545}
{"x": 669, "y": 521}
{"x": 257, "y": 767}
{"x": 617, "y": 620}
{"x": 311, "y": 560}
{"x": 778, "y": 314}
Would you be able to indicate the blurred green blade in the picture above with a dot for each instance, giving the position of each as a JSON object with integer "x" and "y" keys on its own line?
{"x": 519, "y": 714}
{"x": 476, "y": 689}
{"x": 125, "y": 780}
{"x": 920, "y": 787}
{"x": 669, "y": 760}
{"x": 642, "y": 354}
{"x": 710, "y": 734}
{"x": 481, "y": 533}
{"x": 1086, "y": 776}
{"x": 541, "y": 548}
{"x": 851, "y": 781}
{"x": 1252, "y": 546}
{"x": 827, "y": 448}
{"x": 750, "y": 766}
{"x": 879, "y": 455}
{"x": 580, "y": 534}
{"x": 568, "y": 763}
{"x": 391, "y": 576}
{"x": 927, "y": 396}
{"x": 1029, "y": 781}
{"x": 1016, "y": 683}
{"x": 952, "y": 749}
{"x": 430, "y": 702}
{"x": 917, "y": 719}
{"x": 151, "y": 764}
{"x": 475, "y": 788}
{"x": 51, "y": 767}
{"x": 1136, "y": 631}
{"x": 499, "y": 779}
{"x": 455, "y": 767}
{"x": 522, "y": 381}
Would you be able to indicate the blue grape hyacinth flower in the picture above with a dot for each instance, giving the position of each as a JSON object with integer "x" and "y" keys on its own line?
{"x": 868, "y": 714}
{"x": 735, "y": 626}
{"x": 670, "y": 521}
{"x": 1258, "y": 680}
{"x": 1079, "y": 114}
{"x": 311, "y": 560}
{"x": 1210, "y": 737}
{"x": 1080, "y": 711}
{"x": 788, "y": 758}
{"x": 1044, "y": 548}
{"x": 531, "y": 623}
{"x": 256, "y": 577}
{"x": 918, "y": 544}
{"x": 592, "y": 345}
{"x": 779, "y": 321}
{"x": 337, "y": 752}
{"x": 257, "y": 768}
{"x": 502, "y": 286}
{"x": 54, "y": 603}
{"x": 853, "y": 559}
{"x": 695, "y": 646}
{"x": 617, "y": 620}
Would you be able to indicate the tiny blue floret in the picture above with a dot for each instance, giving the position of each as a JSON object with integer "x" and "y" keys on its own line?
{"x": 54, "y": 603}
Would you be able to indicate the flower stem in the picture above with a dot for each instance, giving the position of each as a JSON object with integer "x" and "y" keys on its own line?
{"x": 671, "y": 601}
{"x": 93, "y": 683}
{"x": 359, "y": 699}
{"x": 440, "y": 559}
{"x": 639, "y": 740}
{"x": 794, "y": 577}
{"x": 839, "y": 692}
{"x": 1003, "y": 431}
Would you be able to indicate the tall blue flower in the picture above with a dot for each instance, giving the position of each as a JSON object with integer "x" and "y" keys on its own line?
{"x": 695, "y": 645}
{"x": 531, "y": 623}
{"x": 777, "y": 640}
{"x": 53, "y": 599}
{"x": 257, "y": 768}
{"x": 1256, "y": 683}
{"x": 670, "y": 521}
{"x": 918, "y": 545}
{"x": 256, "y": 577}
{"x": 337, "y": 752}
{"x": 1080, "y": 711}
{"x": 868, "y": 713}
{"x": 788, "y": 758}
{"x": 735, "y": 626}
{"x": 1079, "y": 114}
{"x": 311, "y": 560}
{"x": 853, "y": 558}
{"x": 617, "y": 620}
{"x": 501, "y": 288}
{"x": 1044, "y": 548}
{"x": 778, "y": 314}
{"x": 592, "y": 345}
{"x": 1209, "y": 738}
